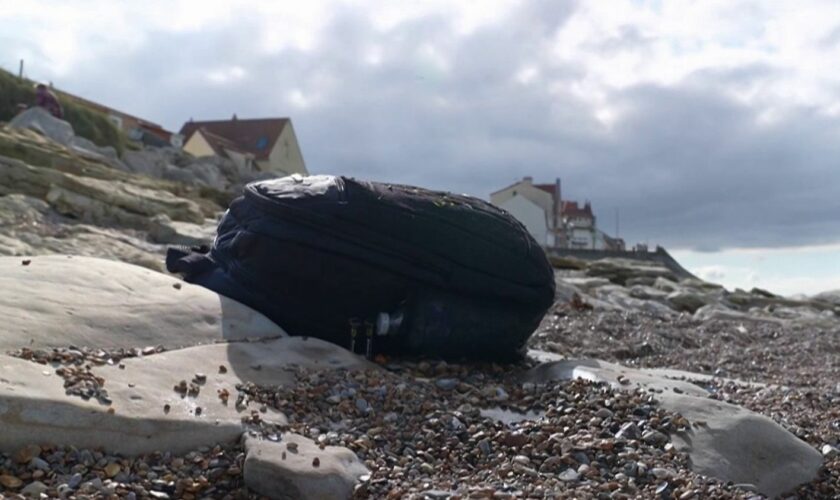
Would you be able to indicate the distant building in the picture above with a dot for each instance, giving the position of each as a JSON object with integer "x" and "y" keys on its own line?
{"x": 552, "y": 221}
{"x": 137, "y": 129}
{"x": 267, "y": 144}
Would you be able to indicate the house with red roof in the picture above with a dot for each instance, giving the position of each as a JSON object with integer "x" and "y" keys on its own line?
{"x": 551, "y": 220}
{"x": 263, "y": 144}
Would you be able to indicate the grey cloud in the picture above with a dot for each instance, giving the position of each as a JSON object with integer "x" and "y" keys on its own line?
{"x": 686, "y": 165}
{"x": 628, "y": 39}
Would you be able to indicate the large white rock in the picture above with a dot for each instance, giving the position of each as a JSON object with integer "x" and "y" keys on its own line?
{"x": 98, "y": 200}
{"x": 58, "y": 301}
{"x": 35, "y": 409}
{"x": 273, "y": 470}
{"x": 41, "y": 121}
{"x": 726, "y": 441}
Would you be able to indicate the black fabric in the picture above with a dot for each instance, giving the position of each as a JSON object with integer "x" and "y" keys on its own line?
{"x": 312, "y": 253}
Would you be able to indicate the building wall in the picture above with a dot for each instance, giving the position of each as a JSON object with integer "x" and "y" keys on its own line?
{"x": 581, "y": 238}
{"x": 286, "y": 156}
{"x": 525, "y": 188}
{"x": 198, "y": 146}
{"x": 531, "y": 215}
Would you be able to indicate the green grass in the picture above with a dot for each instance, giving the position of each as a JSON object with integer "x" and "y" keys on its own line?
{"x": 86, "y": 122}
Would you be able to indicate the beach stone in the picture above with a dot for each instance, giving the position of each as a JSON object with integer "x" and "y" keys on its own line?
{"x": 39, "y": 463}
{"x": 655, "y": 438}
{"x": 484, "y": 446}
{"x": 688, "y": 300}
{"x": 41, "y": 121}
{"x": 725, "y": 441}
{"x": 447, "y": 384}
{"x": 75, "y": 481}
{"x": 629, "y": 431}
{"x": 37, "y": 409}
{"x": 568, "y": 475}
{"x": 57, "y": 301}
{"x": 271, "y": 471}
{"x": 34, "y": 489}
{"x": 10, "y": 482}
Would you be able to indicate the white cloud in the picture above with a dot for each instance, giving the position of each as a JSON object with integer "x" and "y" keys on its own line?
{"x": 227, "y": 75}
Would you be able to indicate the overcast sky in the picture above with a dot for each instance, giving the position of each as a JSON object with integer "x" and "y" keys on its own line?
{"x": 710, "y": 125}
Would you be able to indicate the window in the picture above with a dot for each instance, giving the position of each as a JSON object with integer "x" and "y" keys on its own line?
{"x": 262, "y": 142}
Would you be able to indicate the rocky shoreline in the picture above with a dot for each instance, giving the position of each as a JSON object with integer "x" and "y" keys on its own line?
{"x": 118, "y": 381}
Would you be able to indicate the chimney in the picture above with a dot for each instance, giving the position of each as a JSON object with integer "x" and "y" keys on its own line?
{"x": 528, "y": 179}
{"x": 234, "y": 117}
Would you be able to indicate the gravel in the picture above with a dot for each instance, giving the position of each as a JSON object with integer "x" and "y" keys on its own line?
{"x": 425, "y": 429}
{"x": 786, "y": 372}
{"x": 444, "y": 445}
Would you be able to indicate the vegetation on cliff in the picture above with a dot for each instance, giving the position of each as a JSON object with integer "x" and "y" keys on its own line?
{"x": 86, "y": 122}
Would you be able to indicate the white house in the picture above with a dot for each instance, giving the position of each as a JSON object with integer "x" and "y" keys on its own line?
{"x": 535, "y": 205}
{"x": 552, "y": 221}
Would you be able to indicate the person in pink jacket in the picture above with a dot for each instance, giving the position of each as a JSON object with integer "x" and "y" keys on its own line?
{"x": 47, "y": 100}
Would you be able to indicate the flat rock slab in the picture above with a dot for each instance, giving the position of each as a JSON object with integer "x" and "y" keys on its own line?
{"x": 296, "y": 468}
{"x": 58, "y": 301}
{"x": 725, "y": 441}
{"x": 146, "y": 414}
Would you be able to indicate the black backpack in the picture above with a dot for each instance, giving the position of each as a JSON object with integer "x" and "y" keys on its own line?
{"x": 378, "y": 267}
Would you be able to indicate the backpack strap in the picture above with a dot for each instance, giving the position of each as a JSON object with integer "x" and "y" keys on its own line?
{"x": 190, "y": 262}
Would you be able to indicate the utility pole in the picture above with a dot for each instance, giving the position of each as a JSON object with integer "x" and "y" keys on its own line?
{"x": 20, "y": 71}
{"x": 616, "y": 222}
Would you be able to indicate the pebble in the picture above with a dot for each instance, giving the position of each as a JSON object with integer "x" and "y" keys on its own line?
{"x": 568, "y": 475}
{"x": 112, "y": 469}
{"x": 447, "y": 384}
{"x": 362, "y": 405}
{"x": 27, "y": 453}
{"x": 75, "y": 481}
{"x": 604, "y": 413}
{"x": 39, "y": 463}
{"x": 10, "y": 482}
{"x": 34, "y": 489}
{"x": 629, "y": 431}
{"x": 662, "y": 473}
{"x": 655, "y": 438}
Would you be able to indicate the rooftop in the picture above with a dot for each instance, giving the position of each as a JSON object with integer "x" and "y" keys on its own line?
{"x": 255, "y": 136}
